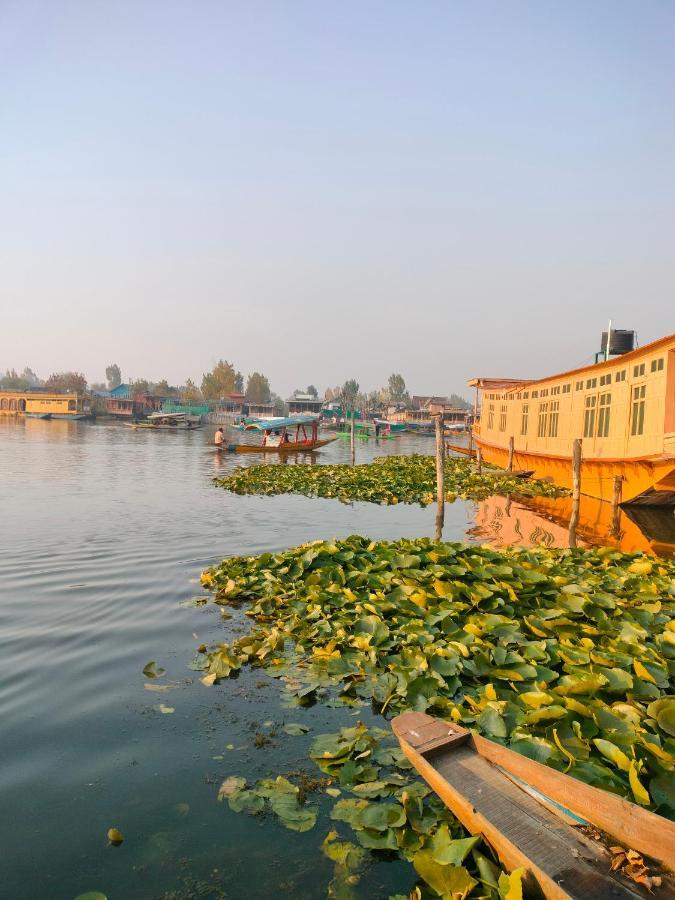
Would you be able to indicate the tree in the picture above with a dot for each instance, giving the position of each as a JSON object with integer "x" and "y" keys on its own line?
{"x": 190, "y": 393}
{"x": 139, "y": 386}
{"x": 312, "y": 391}
{"x": 30, "y": 377}
{"x": 349, "y": 393}
{"x": 164, "y": 389}
{"x": 12, "y": 381}
{"x": 258, "y": 388}
{"x": 67, "y": 381}
{"x": 329, "y": 396}
{"x": 397, "y": 389}
{"x": 456, "y": 400}
{"x": 113, "y": 375}
{"x": 221, "y": 380}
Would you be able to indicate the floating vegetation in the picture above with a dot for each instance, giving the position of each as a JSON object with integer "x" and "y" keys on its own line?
{"x": 563, "y": 655}
{"x": 388, "y": 480}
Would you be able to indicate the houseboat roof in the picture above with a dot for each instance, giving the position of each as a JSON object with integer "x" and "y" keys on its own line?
{"x": 514, "y": 383}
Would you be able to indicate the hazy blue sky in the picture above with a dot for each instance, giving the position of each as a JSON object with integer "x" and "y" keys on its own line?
{"x": 324, "y": 190}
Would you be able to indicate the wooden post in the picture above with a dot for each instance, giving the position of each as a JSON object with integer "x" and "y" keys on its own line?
{"x": 470, "y": 442}
{"x": 352, "y": 444}
{"x": 509, "y": 467}
{"x": 576, "y": 491}
{"x": 479, "y": 461}
{"x": 440, "y": 477}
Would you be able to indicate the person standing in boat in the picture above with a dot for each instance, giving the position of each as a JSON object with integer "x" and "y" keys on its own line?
{"x": 219, "y": 439}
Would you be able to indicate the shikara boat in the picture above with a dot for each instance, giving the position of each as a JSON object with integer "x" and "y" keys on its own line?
{"x": 168, "y": 422}
{"x": 38, "y": 415}
{"x": 535, "y": 817}
{"x": 289, "y": 435}
{"x": 387, "y": 427}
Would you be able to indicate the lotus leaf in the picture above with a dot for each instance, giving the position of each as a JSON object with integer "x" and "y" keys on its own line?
{"x": 448, "y": 881}
{"x": 488, "y": 638}
{"x": 388, "y": 480}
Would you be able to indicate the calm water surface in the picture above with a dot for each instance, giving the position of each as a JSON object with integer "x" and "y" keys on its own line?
{"x": 103, "y": 533}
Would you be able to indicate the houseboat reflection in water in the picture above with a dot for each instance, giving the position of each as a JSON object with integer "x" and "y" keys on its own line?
{"x": 544, "y": 521}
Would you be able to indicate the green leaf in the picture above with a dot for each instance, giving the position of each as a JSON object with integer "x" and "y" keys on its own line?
{"x": 294, "y": 729}
{"x": 150, "y": 670}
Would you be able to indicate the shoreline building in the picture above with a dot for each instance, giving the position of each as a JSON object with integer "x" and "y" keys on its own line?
{"x": 39, "y": 404}
{"x": 622, "y": 409}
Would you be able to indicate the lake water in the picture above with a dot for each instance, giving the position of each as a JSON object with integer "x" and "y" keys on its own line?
{"x": 103, "y": 533}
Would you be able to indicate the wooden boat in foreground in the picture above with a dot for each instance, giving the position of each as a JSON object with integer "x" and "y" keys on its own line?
{"x": 284, "y": 435}
{"x": 532, "y": 815}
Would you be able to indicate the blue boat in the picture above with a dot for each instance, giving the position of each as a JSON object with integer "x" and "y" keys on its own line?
{"x": 36, "y": 415}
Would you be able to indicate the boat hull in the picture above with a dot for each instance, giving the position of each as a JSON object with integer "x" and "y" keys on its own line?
{"x": 290, "y": 447}
{"x": 645, "y": 480}
{"x": 30, "y": 415}
{"x": 70, "y": 417}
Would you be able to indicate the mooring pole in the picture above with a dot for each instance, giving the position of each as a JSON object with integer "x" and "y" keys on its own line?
{"x": 479, "y": 460}
{"x": 616, "y": 505}
{"x": 576, "y": 491}
{"x": 440, "y": 477}
{"x": 509, "y": 467}
{"x": 352, "y": 442}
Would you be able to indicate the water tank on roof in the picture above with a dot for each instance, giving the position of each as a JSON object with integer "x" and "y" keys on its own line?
{"x": 620, "y": 342}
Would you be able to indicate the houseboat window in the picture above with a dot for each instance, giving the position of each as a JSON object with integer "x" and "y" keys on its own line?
{"x": 491, "y": 416}
{"x": 535, "y": 394}
{"x": 657, "y": 365}
{"x": 566, "y": 388}
{"x": 638, "y": 370}
{"x": 638, "y": 410}
{"x": 578, "y": 386}
{"x": 526, "y": 395}
{"x": 543, "y": 418}
{"x": 605, "y": 379}
{"x": 3, "y": 403}
{"x": 22, "y": 406}
{"x": 603, "y": 414}
{"x": 71, "y": 404}
{"x": 589, "y": 416}
{"x": 620, "y": 376}
{"x": 502, "y": 417}
{"x": 523, "y": 419}
{"x": 553, "y": 419}
{"x": 591, "y": 383}
{"x": 12, "y": 405}
{"x": 544, "y": 393}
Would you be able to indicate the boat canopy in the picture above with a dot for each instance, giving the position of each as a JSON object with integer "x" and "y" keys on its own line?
{"x": 276, "y": 424}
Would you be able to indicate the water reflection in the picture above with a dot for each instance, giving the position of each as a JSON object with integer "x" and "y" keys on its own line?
{"x": 543, "y": 521}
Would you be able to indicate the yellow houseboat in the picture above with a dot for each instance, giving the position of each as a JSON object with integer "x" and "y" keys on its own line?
{"x": 622, "y": 408}
{"x": 44, "y": 405}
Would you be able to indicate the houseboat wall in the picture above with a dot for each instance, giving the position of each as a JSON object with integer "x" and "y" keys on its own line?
{"x": 622, "y": 409}
{"x": 20, "y": 403}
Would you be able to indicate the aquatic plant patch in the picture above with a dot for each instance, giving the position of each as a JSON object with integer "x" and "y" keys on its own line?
{"x": 388, "y": 480}
{"x": 566, "y": 656}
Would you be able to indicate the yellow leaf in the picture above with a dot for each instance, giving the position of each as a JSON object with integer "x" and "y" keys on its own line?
{"x": 208, "y": 680}
{"x": 511, "y": 886}
{"x": 563, "y": 749}
{"x": 640, "y": 568}
{"x": 490, "y": 693}
{"x": 642, "y": 673}
{"x": 638, "y": 789}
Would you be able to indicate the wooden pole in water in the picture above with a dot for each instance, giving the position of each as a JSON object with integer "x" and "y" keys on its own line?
{"x": 352, "y": 443}
{"x": 479, "y": 461}
{"x": 576, "y": 491}
{"x": 440, "y": 477}
{"x": 616, "y": 505}
{"x": 509, "y": 467}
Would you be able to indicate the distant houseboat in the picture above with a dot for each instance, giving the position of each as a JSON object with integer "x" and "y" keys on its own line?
{"x": 43, "y": 404}
{"x": 622, "y": 408}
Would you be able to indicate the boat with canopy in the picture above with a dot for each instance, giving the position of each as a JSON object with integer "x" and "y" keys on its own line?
{"x": 282, "y": 435}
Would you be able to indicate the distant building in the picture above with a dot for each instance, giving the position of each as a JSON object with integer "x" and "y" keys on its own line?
{"x": 44, "y": 404}
{"x": 304, "y": 405}
{"x": 232, "y": 405}
{"x": 262, "y": 410}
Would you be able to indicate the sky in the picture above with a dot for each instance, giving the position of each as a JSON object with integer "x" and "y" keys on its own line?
{"x": 331, "y": 190}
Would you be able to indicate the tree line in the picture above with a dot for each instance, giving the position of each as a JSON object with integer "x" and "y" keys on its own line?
{"x": 222, "y": 380}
